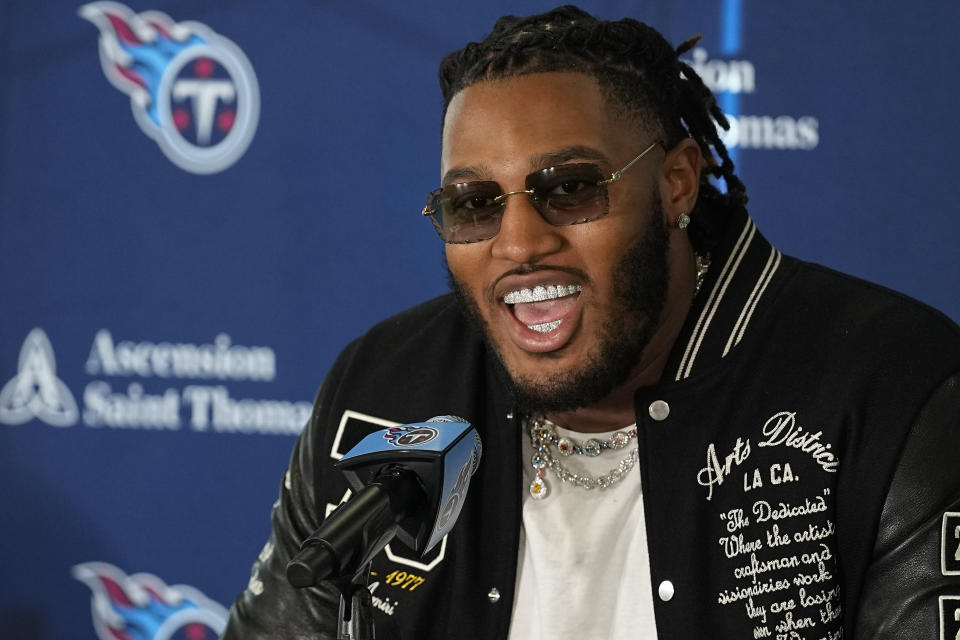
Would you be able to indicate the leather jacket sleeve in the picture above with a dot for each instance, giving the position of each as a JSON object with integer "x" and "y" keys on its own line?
{"x": 912, "y": 587}
{"x": 270, "y": 607}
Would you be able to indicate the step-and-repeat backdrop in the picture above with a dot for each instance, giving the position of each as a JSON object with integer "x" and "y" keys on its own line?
{"x": 202, "y": 202}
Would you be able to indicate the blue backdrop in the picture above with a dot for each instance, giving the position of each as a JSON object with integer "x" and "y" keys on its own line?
{"x": 201, "y": 203}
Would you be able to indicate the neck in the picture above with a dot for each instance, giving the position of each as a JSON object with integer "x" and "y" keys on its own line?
{"x": 617, "y": 409}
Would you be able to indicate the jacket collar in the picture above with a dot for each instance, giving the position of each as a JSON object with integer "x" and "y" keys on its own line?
{"x": 734, "y": 293}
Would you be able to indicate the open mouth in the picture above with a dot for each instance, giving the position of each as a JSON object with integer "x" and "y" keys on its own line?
{"x": 542, "y": 308}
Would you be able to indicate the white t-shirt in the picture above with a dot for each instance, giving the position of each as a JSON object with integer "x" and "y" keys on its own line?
{"x": 583, "y": 569}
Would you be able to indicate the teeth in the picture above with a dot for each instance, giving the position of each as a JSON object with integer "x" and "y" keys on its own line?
{"x": 541, "y": 293}
{"x": 545, "y": 327}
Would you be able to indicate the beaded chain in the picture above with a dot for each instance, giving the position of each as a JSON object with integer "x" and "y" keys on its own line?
{"x": 543, "y": 436}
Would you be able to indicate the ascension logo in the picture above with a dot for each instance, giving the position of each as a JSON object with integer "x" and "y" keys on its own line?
{"x": 191, "y": 90}
{"x": 143, "y": 607}
{"x": 205, "y": 404}
{"x": 36, "y": 392}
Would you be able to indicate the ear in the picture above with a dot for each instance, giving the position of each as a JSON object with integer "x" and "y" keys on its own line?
{"x": 680, "y": 179}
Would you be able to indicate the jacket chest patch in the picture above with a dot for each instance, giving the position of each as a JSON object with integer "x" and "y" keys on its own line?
{"x": 781, "y": 430}
{"x": 769, "y": 497}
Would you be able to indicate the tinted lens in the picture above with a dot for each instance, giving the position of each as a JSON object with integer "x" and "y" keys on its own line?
{"x": 467, "y": 211}
{"x": 564, "y": 195}
{"x": 569, "y": 193}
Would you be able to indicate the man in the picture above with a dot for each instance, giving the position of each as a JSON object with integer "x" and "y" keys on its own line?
{"x": 687, "y": 434}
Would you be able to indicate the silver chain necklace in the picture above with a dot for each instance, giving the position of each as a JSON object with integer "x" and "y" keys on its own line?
{"x": 543, "y": 436}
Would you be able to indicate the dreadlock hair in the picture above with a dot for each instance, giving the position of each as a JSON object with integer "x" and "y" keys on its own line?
{"x": 640, "y": 75}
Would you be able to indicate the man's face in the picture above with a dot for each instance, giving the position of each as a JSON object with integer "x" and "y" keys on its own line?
{"x": 604, "y": 283}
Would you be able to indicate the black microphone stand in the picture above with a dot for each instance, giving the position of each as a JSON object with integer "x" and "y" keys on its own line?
{"x": 355, "y": 621}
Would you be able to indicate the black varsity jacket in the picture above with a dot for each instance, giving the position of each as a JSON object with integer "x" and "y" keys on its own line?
{"x": 800, "y": 465}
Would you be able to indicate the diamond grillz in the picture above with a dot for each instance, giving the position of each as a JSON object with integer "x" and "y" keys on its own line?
{"x": 545, "y": 327}
{"x": 541, "y": 293}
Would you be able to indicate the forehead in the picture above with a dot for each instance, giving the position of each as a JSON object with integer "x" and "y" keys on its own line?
{"x": 505, "y": 124}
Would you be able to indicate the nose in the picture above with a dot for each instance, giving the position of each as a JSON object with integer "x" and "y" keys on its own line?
{"x": 525, "y": 237}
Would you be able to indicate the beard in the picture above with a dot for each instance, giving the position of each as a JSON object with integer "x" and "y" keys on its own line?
{"x": 639, "y": 293}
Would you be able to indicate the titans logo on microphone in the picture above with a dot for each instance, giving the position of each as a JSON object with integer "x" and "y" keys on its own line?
{"x": 143, "y": 607}
{"x": 191, "y": 90}
{"x": 410, "y": 436}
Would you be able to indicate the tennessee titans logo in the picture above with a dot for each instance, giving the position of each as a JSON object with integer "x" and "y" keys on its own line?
{"x": 143, "y": 607}
{"x": 191, "y": 90}
{"x": 451, "y": 509}
{"x": 410, "y": 436}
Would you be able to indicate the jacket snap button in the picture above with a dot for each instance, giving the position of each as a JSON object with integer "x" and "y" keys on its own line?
{"x": 659, "y": 410}
{"x": 494, "y": 595}
{"x": 665, "y": 591}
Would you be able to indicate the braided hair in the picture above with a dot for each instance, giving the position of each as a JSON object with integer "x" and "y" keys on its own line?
{"x": 640, "y": 75}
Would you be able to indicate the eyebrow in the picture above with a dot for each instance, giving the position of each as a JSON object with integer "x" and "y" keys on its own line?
{"x": 566, "y": 154}
{"x": 560, "y": 156}
{"x": 462, "y": 174}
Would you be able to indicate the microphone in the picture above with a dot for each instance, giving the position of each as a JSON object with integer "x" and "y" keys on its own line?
{"x": 409, "y": 482}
